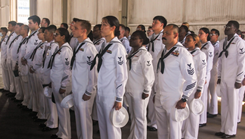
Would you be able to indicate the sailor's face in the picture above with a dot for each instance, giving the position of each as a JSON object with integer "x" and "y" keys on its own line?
{"x": 189, "y": 42}
{"x": 106, "y": 29}
{"x": 168, "y": 35}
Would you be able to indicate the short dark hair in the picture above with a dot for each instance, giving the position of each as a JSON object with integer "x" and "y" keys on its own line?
{"x": 51, "y": 28}
{"x": 90, "y": 35}
{"x": 175, "y": 27}
{"x": 234, "y": 23}
{"x": 42, "y": 29}
{"x": 4, "y": 29}
{"x": 35, "y": 19}
{"x": 65, "y": 32}
{"x": 47, "y": 21}
{"x": 113, "y": 21}
{"x": 216, "y": 31}
{"x": 142, "y": 36}
{"x": 98, "y": 26}
{"x": 142, "y": 27}
{"x": 75, "y": 19}
{"x": 206, "y": 30}
{"x": 197, "y": 39}
{"x": 127, "y": 28}
{"x": 65, "y": 25}
{"x": 150, "y": 27}
{"x": 20, "y": 24}
{"x": 185, "y": 28}
{"x": 161, "y": 19}
{"x": 26, "y": 28}
{"x": 122, "y": 26}
{"x": 13, "y": 23}
{"x": 85, "y": 24}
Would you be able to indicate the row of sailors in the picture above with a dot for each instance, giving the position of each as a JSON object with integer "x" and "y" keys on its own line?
{"x": 168, "y": 67}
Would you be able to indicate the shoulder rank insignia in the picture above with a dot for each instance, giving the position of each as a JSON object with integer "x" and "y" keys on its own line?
{"x": 190, "y": 70}
{"x": 120, "y": 62}
{"x": 175, "y": 53}
{"x": 67, "y": 62}
{"x": 35, "y": 43}
{"x": 109, "y": 51}
{"x": 148, "y": 63}
{"x": 242, "y": 51}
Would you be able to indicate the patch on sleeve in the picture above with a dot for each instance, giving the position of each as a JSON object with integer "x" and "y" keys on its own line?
{"x": 204, "y": 62}
{"x": 89, "y": 62}
{"x": 190, "y": 70}
{"x": 148, "y": 63}
{"x": 67, "y": 62}
{"x": 210, "y": 54}
{"x": 241, "y": 51}
{"x": 120, "y": 62}
{"x": 188, "y": 87}
{"x": 36, "y": 43}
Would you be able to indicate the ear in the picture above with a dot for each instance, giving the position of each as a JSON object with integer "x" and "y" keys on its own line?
{"x": 176, "y": 35}
{"x": 113, "y": 28}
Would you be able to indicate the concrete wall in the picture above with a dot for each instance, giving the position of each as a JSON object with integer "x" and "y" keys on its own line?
{"x": 199, "y": 13}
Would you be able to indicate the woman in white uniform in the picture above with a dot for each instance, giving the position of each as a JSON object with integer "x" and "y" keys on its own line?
{"x": 208, "y": 49}
{"x": 112, "y": 77}
{"x": 191, "y": 124}
{"x": 140, "y": 80}
{"x": 60, "y": 75}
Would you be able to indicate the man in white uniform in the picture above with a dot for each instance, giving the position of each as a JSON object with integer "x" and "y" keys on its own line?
{"x": 213, "y": 101}
{"x": 176, "y": 80}
{"x": 154, "y": 47}
{"x": 232, "y": 54}
{"x": 83, "y": 89}
{"x": 123, "y": 38}
{"x": 73, "y": 42}
{"x": 98, "y": 39}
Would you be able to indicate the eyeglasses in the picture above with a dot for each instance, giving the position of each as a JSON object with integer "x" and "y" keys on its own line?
{"x": 226, "y": 26}
{"x": 56, "y": 34}
{"x": 212, "y": 35}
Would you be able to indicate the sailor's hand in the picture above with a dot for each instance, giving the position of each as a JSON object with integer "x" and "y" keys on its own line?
{"x": 180, "y": 104}
{"x": 117, "y": 105}
{"x": 238, "y": 85}
{"x": 86, "y": 97}
{"x": 144, "y": 95}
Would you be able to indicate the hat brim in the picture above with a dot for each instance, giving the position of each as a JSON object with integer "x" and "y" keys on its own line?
{"x": 192, "y": 106}
{"x": 125, "y": 121}
{"x": 179, "y": 114}
{"x": 67, "y": 102}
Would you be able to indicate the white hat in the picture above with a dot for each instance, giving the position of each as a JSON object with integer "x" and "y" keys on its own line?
{"x": 197, "y": 106}
{"x": 67, "y": 102}
{"x": 119, "y": 118}
{"x": 47, "y": 92}
{"x": 180, "y": 114}
{"x": 218, "y": 90}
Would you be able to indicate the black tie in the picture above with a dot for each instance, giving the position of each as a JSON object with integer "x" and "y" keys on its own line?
{"x": 35, "y": 50}
{"x": 74, "y": 54}
{"x": 13, "y": 40}
{"x": 23, "y": 42}
{"x": 9, "y": 37}
{"x": 99, "y": 55}
{"x": 225, "y": 48}
{"x": 95, "y": 43}
{"x": 152, "y": 42}
{"x": 193, "y": 51}
{"x": 51, "y": 61}
{"x": 204, "y": 46}
{"x": 130, "y": 60}
{"x": 31, "y": 35}
{"x": 163, "y": 56}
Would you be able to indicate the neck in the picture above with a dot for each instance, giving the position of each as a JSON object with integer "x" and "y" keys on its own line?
{"x": 170, "y": 45}
{"x": 120, "y": 37}
{"x": 204, "y": 41}
{"x": 213, "y": 42}
{"x": 82, "y": 38}
{"x": 49, "y": 41}
{"x": 191, "y": 48}
{"x": 157, "y": 31}
{"x": 136, "y": 48}
{"x": 60, "y": 43}
{"x": 43, "y": 40}
{"x": 230, "y": 36}
{"x": 25, "y": 35}
{"x": 109, "y": 37}
{"x": 34, "y": 29}
{"x": 97, "y": 38}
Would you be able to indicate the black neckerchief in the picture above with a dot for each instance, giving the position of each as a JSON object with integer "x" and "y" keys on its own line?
{"x": 204, "y": 45}
{"x": 95, "y": 43}
{"x": 44, "y": 53}
{"x": 75, "y": 52}
{"x": 35, "y": 50}
{"x": 152, "y": 42}
{"x": 31, "y": 35}
{"x": 193, "y": 51}
{"x": 163, "y": 56}
{"x": 99, "y": 55}
{"x": 226, "y": 47}
{"x": 13, "y": 40}
{"x": 130, "y": 56}
{"x": 23, "y": 42}
{"x": 51, "y": 61}
{"x": 9, "y": 37}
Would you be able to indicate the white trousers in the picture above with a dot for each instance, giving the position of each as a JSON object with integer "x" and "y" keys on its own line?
{"x": 64, "y": 128}
{"x": 83, "y": 114}
{"x": 240, "y": 100}
{"x": 167, "y": 128}
{"x": 138, "y": 110}
{"x": 212, "y": 96}
{"x": 11, "y": 77}
{"x": 5, "y": 75}
{"x": 151, "y": 115}
{"x": 25, "y": 88}
{"x": 19, "y": 91}
{"x": 190, "y": 126}
{"x": 52, "y": 120}
{"x": 229, "y": 109}
{"x": 33, "y": 94}
{"x": 104, "y": 107}
{"x": 204, "y": 98}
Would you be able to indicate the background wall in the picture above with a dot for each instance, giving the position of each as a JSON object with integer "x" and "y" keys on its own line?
{"x": 199, "y": 13}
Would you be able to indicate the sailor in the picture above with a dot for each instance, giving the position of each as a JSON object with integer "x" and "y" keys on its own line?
{"x": 98, "y": 39}
{"x": 73, "y": 41}
{"x": 45, "y": 22}
{"x": 123, "y": 39}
